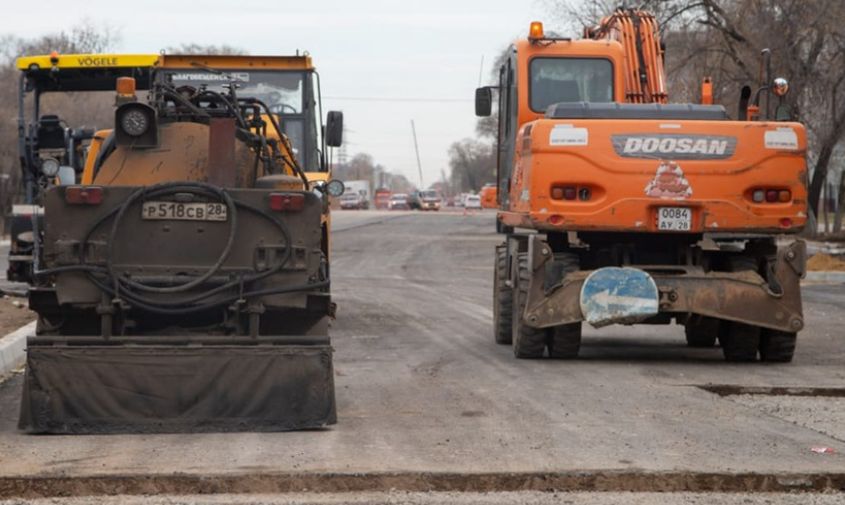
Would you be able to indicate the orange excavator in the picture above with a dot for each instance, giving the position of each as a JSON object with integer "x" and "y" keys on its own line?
{"x": 621, "y": 208}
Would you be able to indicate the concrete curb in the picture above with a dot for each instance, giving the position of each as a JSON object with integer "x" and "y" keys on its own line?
{"x": 13, "y": 348}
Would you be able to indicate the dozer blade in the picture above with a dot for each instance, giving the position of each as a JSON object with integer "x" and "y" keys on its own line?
{"x": 177, "y": 384}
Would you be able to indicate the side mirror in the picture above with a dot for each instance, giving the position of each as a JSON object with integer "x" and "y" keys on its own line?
{"x": 334, "y": 128}
{"x": 780, "y": 86}
{"x": 335, "y": 188}
{"x": 483, "y": 102}
{"x": 744, "y": 97}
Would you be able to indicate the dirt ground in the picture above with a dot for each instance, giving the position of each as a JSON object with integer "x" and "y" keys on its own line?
{"x": 825, "y": 262}
{"x": 14, "y": 313}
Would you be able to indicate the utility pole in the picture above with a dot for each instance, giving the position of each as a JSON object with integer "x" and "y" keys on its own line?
{"x": 417, "y": 149}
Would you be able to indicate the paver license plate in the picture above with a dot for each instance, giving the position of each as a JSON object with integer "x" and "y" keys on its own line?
{"x": 184, "y": 211}
{"x": 674, "y": 218}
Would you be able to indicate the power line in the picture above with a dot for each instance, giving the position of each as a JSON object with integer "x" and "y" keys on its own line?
{"x": 395, "y": 99}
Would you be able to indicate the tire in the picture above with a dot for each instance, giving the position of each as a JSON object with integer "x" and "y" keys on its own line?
{"x": 702, "y": 331}
{"x": 741, "y": 263}
{"x": 528, "y": 342}
{"x": 777, "y": 346}
{"x": 739, "y": 341}
{"x": 502, "y": 299}
{"x": 564, "y": 341}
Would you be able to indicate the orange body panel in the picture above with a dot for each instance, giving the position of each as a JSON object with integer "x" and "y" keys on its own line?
{"x": 622, "y": 189}
{"x": 620, "y": 200}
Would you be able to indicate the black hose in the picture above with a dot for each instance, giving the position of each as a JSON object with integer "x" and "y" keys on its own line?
{"x": 170, "y": 188}
{"x": 109, "y": 281}
{"x": 294, "y": 164}
{"x": 225, "y": 301}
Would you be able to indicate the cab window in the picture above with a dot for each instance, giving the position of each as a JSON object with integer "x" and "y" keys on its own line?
{"x": 556, "y": 80}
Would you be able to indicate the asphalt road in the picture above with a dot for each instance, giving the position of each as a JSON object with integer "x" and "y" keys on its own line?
{"x": 425, "y": 396}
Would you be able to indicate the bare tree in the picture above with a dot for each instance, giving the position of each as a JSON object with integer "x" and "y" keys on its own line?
{"x": 473, "y": 164}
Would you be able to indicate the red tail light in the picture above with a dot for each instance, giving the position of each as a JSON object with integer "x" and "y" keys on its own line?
{"x": 770, "y": 195}
{"x": 287, "y": 202}
{"x": 84, "y": 195}
{"x": 582, "y": 193}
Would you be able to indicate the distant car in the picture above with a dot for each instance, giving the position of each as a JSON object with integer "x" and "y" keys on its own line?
{"x": 353, "y": 201}
{"x": 398, "y": 201}
{"x": 472, "y": 202}
{"x": 427, "y": 200}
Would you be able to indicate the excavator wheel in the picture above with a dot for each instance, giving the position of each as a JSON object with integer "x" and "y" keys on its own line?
{"x": 527, "y": 342}
{"x": 739, "y": 341}
{"x": 702, "y": 331}
{"x": 777, "y": 346}
{"x": 564, "y": 341}
{"x": 502, "y": 299}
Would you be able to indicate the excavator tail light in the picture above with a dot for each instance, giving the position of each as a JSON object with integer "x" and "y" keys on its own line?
{"x": 771, "y": 195}
{"x": 584, "y": 194}
{"x": 84, "y": 195}
{"x": 287, "y": 202}
{"x": 535, "y": 32}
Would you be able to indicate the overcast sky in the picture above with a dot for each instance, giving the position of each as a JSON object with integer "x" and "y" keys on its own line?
{"x": 428, "y": 51}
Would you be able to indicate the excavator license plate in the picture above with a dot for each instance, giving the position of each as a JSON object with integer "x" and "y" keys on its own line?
{"x": 674, "y": 219}
{"x": 184, "y": 211}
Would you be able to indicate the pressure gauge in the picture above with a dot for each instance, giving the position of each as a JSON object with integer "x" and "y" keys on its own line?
{"x": 134, "y": 122}
{"x": 50, "y": 167}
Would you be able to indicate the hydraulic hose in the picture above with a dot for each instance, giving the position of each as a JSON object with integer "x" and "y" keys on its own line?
{"x": 111, "y": 282}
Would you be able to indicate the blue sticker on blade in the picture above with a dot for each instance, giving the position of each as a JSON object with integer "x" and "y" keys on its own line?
{"x": 618, "y": 295}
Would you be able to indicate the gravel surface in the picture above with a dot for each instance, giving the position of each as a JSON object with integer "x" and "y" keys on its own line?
{"x": 823, "y": 414}
{"x": 398, "y": 498}
{"x": 422, "y": 388}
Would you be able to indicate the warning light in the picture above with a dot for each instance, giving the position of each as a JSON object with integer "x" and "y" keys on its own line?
{"x": 125, "y": 86}
{"x": 54, "y": 58}
{"x": 536, "y": 31}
